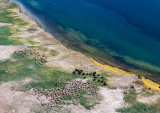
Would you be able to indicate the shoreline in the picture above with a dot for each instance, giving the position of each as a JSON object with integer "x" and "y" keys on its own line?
{"x": 113, "y": 69}
{"x": 69, "y": 41}
{"x": 148, "y": 83}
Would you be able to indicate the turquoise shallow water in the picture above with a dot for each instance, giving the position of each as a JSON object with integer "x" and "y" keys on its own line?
{"x": 120, "y": 31}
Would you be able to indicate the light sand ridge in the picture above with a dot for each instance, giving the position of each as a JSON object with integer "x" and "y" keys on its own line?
{"x": 7, "y": 51}
{"x": 5, "y": 24}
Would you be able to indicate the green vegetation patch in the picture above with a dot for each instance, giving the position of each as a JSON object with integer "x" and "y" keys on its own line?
{"x": 41, "y": 48}
{"x": 53, "y": 76}
{"x": 42, "y": 77}
{"x": 7, "y": 32}
{"x": 32, "y": 42}
{"x": 131, "y": 97}
{"x": 13, "y": 5}
{"x": 54, "y": 52}
{"x": 20, "y": 22}
{"x": 90, "y": 101}
{"x": 140, "y": 108}
{"x": 6, "y": 36}
{"x": 7, "y": 16}
{"x": 24, "y": 67}
{"x": 137, "y": 107}
{"x": 15, "y": 70}
{"x": 32, "y": 29}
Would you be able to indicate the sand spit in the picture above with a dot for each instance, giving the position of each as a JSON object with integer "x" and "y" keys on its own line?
{"x": 5, "y": 24}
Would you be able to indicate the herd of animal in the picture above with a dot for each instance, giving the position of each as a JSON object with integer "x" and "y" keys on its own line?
{"x": 38, "y": 57}
{"x": 96, "y": 77}
{"x": 56, "y": 98}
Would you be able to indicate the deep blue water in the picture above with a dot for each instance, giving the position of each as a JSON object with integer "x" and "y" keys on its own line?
{"x": 126, "y": 30}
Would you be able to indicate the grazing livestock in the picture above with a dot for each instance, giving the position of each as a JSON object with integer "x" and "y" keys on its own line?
{"x": 38, "y": 58}
{"x": 57, "y": 96}
{"x": 104, "y": 83}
